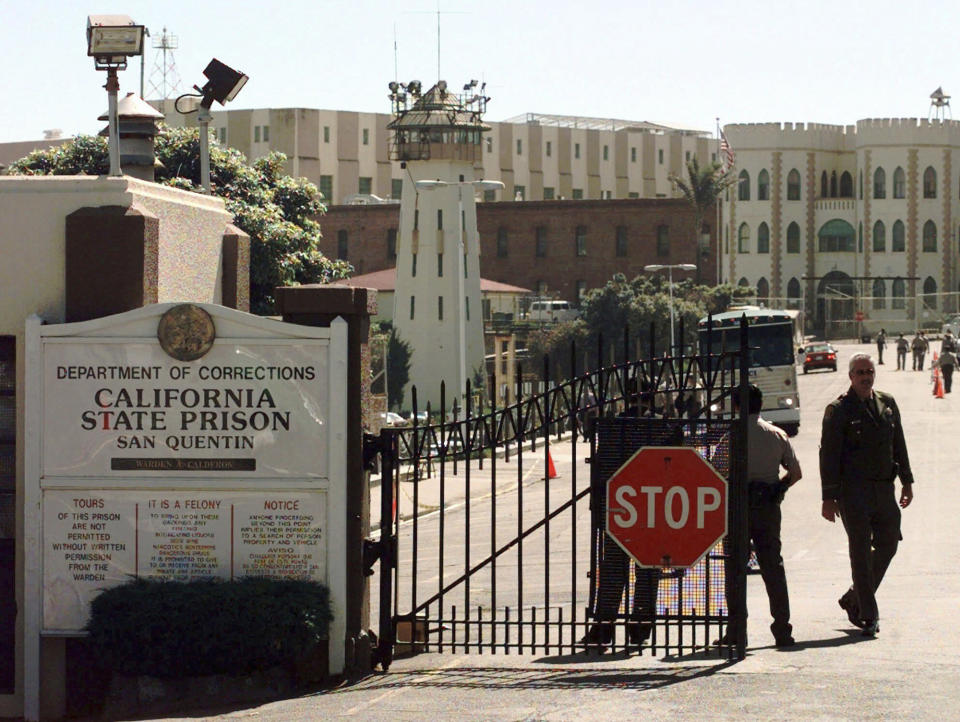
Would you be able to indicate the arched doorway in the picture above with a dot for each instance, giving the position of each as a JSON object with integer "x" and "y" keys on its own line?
{"x": 836, "y": 305}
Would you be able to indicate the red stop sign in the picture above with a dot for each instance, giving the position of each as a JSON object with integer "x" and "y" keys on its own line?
{"x": 858, "y": 316}
{"x": 666, "y": 506}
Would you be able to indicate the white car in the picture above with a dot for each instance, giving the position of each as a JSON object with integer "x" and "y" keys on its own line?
{"x": 952, "y": 324}
{"x": 391, "y": 419}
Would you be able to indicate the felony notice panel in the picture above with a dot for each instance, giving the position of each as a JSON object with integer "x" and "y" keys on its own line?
{"x": 183, "y": 442}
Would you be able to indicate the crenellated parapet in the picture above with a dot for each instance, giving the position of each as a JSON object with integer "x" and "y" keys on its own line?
{"x": 873, "y": 132}
{"x": 782, "y": 136}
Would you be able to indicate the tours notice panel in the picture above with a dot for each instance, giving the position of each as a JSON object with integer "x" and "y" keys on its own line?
{"x": 183, "y": 442}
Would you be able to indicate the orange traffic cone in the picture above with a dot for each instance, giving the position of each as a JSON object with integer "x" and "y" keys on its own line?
{"x": 937, "y": 384}
{"x": 551, "y": 469}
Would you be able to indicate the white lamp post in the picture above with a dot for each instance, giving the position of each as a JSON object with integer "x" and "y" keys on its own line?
{"x": 477, "y": 185}
{"x": 653, "y": 267}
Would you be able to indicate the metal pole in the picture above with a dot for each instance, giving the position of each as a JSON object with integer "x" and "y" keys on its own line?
{"x": 461, "y": 301}
{"x": 204, "y": 117}
{"x": 670, "y": 276}
{"x": 112, "y": 86}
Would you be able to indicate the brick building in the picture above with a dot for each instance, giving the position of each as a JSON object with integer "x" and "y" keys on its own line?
{"x": 555, "y": 248}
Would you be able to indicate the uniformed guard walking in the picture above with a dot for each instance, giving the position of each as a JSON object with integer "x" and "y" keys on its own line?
{"x": 902, "y": 347}
{"x": 768, "y": 449}
{"x": 881, "y": 344}
{"x": 862, "y": 451}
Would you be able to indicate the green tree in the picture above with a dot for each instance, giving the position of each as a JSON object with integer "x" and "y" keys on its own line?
{"x": 399, "y": 355}
{"x": 701, "y": 188}
{"x": 277, "y": 211}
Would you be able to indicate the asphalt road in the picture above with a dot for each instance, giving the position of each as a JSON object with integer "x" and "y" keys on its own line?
{"x": 910, "y": 671}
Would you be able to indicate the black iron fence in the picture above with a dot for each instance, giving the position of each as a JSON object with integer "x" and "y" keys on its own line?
{"x": 492, "y": 534}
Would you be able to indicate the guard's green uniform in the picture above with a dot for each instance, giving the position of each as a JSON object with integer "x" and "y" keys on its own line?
{"x": 862, "y": 451}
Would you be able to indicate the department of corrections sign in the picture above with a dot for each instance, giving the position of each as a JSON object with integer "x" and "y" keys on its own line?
{"x": 182, "y": 442}
{"x": 252, "y": 407}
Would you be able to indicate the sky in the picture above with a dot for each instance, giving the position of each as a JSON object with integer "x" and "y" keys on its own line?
{"x": 677, "y": 62}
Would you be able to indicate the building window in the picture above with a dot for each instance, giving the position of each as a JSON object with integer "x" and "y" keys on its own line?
{"x": 222, "y": 135}
{"x": 396, "y": 188}
{"x": 416, "y": 219}
{"x": 540, "y": 242}
{"x": 833, "y": 184}
{"x": 413, "y": 265}
{"x": 439, "y": 265}
{"x": 879, "y": 237}
{"x": 663, "y": 241}
{"x": 549, "y": 149}
{"x": 899, "y": 183}
{"x": 489, "y": 144}
{"x": 576, "y": 150}
{"x": 392, "y": 244}
{"x": 326, "y": 187}
{"x": 929, "y": 237}
{"x": 364, "y": 185}
{"x": 687, "y": 156}
{"x": 489, "y": 196}
{"x": 793, "y": 289}
{"x": 929, "y": 182}
{"x": 660, "y": 156}
{"x": 793, "y": 185}
{"x": 548, "y": 194}
{"x": 846, "y": 185}
{"x": 860, "y": 186}
{"x": 606, "y": 152}
{"x": 824, "y": 188}
{"x": 501, "y": 243}
{"x": 413, "y": 306}
{"x": 326, "y": 138}
{"x": 930, "y": 293}
{"x": 633, "y": 194}
{"x": 743, "y": 186}
{"x": 266, "y": 134}
{"x": 519, "y": 146}
{"x": 898, "y": 242}
{"x": 366, "y": 136}
{"x": 466, "y": 307}
{"x": 879, "y": 183}
{"x": 763, "y": 291}
{"x": 439, "y": 219}
{"x": 581, "y": 287}
{"x": 580, "y": 239}
{"x": 743, "y": 239}
{"x": 793, "y": 238}
{"x": 898, "y": 294}
{"x": 837, "y": 236}
{"x": 256, "y": 134}
{"x": 763, "y": 238}
{"x": 633, "y": 155}
{"x": 879, "y": 294}
{"x": 621, "y": 249}
{"x": 763, "y": 186}
{"x": 439, "y": 308}
{"x": 860, "y": 237}
{"x": 342, "y": 245}
{"x": 519, "y": 192}
{"x": 577, "y": 194}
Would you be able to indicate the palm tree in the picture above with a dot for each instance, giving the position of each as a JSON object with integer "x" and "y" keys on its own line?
{"x": 701, "y": 189}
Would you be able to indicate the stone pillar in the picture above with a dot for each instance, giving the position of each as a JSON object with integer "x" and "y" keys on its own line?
{"x": 317, "y": 305}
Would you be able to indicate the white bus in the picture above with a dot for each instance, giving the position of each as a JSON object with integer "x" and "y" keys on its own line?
{"x": 772, "y": 336}
{"x": 551, "y": 311}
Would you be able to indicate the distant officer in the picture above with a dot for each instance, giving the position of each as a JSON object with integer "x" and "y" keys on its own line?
{"x": 919, "y": 346}
{"x": 902, "y": 347}
{"x": 768, "y": 449}
{"x": 881, "y": 344}
{"x": 862, "y": 451}
{"x": 947, "y": 362}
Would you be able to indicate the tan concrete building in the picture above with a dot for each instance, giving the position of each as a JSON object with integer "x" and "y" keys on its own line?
{"x": 842, "y": 219}
{"x": 536, "y": 156}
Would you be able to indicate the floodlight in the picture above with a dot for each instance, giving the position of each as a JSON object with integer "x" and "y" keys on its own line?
{"x": 111, "y": 39}
{"x": 223, "y": 82}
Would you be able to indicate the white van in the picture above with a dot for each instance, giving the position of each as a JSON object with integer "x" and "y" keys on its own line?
{"x": 551, "y": 311}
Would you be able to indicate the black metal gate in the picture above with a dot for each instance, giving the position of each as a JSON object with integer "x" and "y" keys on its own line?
{"x": 492, "y": 535}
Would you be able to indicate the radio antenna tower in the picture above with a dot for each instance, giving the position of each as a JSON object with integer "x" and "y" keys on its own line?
{"x": 164, "y": 78}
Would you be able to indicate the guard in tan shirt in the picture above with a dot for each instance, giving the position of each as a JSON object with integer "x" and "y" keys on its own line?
{"x": 768, "y": 449}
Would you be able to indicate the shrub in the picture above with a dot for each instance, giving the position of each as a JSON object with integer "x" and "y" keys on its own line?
{"x": 176, "y": 629}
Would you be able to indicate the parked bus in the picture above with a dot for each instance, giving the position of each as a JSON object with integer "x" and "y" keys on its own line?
{"x": 772, "y": 338}
{"x": 551, "y": 311}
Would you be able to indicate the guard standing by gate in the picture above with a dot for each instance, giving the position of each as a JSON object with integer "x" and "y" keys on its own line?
{"x": 768, "y": 449}
{"x": 862, "y": 451}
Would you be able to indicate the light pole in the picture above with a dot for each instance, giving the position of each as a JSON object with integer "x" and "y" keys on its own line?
{"x": 430, "y": 185}
{"x": 668, "y": 267}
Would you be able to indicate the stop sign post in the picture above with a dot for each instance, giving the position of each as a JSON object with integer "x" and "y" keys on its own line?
{"x": 666, "y": 506}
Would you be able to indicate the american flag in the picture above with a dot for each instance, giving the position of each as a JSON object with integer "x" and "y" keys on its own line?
{"x": 727, "y": 152}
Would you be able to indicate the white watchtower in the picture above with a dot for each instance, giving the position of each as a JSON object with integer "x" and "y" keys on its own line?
{"x": 438, "y": 137}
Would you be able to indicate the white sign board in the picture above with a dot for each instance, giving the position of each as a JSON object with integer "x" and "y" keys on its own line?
{"x": 155, "y": 451}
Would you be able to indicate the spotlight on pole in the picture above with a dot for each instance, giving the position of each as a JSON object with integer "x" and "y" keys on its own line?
{"x": 111, "y": 39}
{"x": 223, "y": 84}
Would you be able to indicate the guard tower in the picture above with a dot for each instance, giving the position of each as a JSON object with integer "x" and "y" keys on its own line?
{"x": 437, "y": 137}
